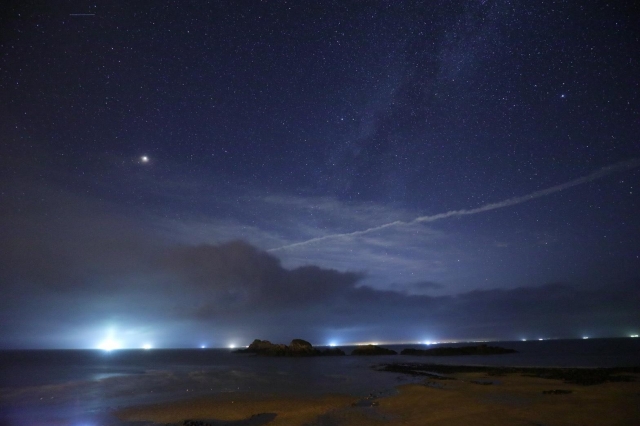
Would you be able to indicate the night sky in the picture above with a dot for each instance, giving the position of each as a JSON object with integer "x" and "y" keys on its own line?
{"x": 181, "y": 174}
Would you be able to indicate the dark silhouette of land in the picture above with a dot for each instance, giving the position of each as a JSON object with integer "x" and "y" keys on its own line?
{"x": 297, "y": 348}
{"x": 577, "y": 376}
{"x": 460, "y": 350}
{"x": 372, "y": 350}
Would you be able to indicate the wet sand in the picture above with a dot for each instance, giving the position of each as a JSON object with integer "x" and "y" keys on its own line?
{"x": 239, "y": 406}
{"x": 509, "y": 399}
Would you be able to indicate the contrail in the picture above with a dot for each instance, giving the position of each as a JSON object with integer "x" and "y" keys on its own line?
{"x": 605, "y": 171}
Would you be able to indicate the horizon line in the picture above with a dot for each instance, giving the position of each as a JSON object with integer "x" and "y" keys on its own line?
{"x": 349, "y": 344}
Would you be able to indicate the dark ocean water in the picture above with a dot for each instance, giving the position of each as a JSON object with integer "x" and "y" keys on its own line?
{"x": 82, "y": 387}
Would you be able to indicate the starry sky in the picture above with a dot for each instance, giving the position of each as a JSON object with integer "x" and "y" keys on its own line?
{"x": 205, "y": 173}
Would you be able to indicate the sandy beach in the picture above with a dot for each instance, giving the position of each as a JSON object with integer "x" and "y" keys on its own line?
{"x": 465, "y": 398}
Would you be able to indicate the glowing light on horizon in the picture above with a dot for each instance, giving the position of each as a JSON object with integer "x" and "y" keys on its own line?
{"x": 232, "y": 346}
{"x": 146, "y": 346}
{"x": 332, "y": 344}
{"x": 109, "y": 345}
{"x": 634, "y": 335}
{"x": 524, "y": 340}
{"x": 585, "y": 337}
{"x": 203, "y": 346}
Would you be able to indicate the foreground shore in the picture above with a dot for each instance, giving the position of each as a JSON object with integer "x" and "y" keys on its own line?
{"x": 459, "y": 397}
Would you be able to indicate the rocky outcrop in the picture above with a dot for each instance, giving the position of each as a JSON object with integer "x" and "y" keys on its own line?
{"x": 372, "y": 350}
{"x": 296, "y": 348}
{"x": 299, "y": 345}
{"x": 576, "y": 376}
{"x": 333, "y": 352}
{"x": 461, "y": 350}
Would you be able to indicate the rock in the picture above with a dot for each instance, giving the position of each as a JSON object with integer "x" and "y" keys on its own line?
{"x": 300, "y": 345}
{"x": 372, "y": 350}
{"x": 575, "y": 376}
{"x": 297, "y": 348}
{"x": 260, "y": 345}
{"x": 461, "y": 350}
{"x": 263, "y": 347}
{"x": 333, "y": 352}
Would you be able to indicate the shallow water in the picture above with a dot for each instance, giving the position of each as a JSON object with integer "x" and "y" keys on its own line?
{"x": 82, "y": 388}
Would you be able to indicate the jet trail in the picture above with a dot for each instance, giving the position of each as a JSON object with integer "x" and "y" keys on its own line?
{"x": 605, "y": 171}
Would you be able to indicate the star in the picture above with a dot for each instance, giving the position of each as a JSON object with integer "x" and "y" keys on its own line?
{"x": 144, "y": 159}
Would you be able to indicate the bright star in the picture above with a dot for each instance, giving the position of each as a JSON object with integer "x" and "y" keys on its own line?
{"x": 144, "y": 159}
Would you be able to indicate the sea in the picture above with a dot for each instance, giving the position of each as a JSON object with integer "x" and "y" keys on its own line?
{"x": 85, "y": 387}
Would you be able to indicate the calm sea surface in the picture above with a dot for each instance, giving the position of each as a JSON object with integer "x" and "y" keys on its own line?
{"x": 82, "y": 387}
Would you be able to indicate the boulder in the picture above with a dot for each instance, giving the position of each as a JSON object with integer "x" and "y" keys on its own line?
{"x": 300, "y": 345}
{"x": 296, "y": 348}
{"x": 333, "y": 352}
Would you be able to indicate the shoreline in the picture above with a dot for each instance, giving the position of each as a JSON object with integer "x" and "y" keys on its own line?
{"x": 460, "y": 395}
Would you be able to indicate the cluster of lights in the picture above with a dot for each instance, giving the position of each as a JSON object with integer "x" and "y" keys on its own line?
{"x": 634, "y": 335}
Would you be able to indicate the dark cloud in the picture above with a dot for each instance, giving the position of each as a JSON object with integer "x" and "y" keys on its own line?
{"x": 238, "y": 279}
{"x": 236, "y": 275}
{"x": 420, "y": 287}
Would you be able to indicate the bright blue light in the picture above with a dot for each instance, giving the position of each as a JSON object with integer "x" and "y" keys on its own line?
{"x": 109, "y": 345}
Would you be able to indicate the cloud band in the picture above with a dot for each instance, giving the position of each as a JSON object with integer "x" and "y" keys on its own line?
{"x": 598, "y": 174}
